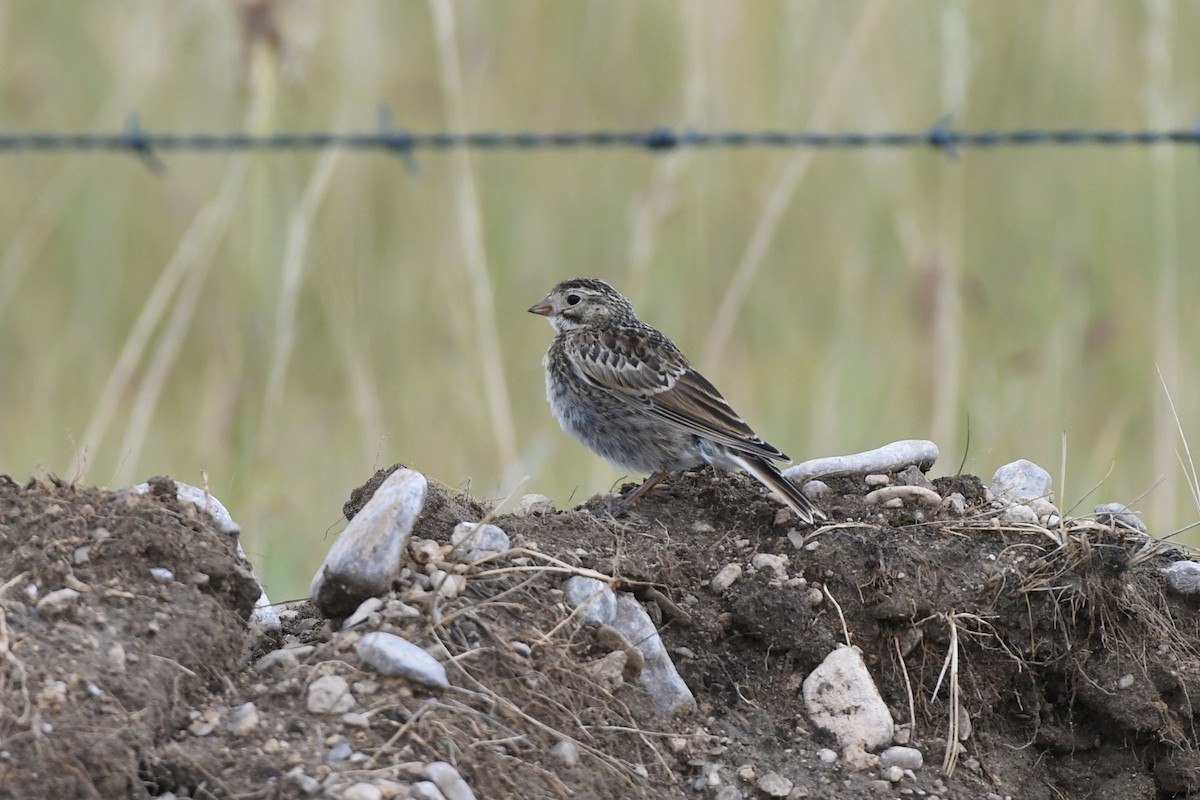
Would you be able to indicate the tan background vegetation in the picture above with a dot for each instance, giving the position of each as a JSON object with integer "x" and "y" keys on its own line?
{"x": 286, "y": 322}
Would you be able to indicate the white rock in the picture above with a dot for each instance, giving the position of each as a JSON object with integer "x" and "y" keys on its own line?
{"x": 329, "y": 694}
{"x": 365, "y": 609}
{"x": 365, "y": 558}
{"x": 390, "y": 654}
{"x": 599, "y": 603}
{"x": 727, "y": 576}
{"x": 162, "y": 575}
{"x": 243, "y": 720}
{"x": 609, "y": 670}
{"x": 1119, "y": 515}
{"x": 893, "y": 774}
{"x": 826, "y": 756}
{"x": 858, "y": 759}
{"x": 905, "y": 495}
{"x": 955, "y": 503}
{"x": 447, "y": 779}
{"x": 566, "y": 753}
{"x": 773, "y": 562}
{"x": 1183, "y": 576}
{"x": 426, "y": 790}
{"x": 774, "y": 785}
{"x": 815, "y": 489}
{"x": 56, "y": 603}
{"x": 889, "y": 458}
{"x": 1020, "y": 482}
{"x": 597, "y": 599}
{"x": 474, "y": 541}
{"x": 1019, "y": 515}
{"x": 1125, "y": 681}
{"x": 842, "y": 698}
{"x": 877, "y": 480}
{"x": 1042, "y": 507}
{"x": 902, "y": 757}
{"x": 362, "y": 791}
{"x": 671, "y": 695}
{"x": 307, "y": 784}
{"x": 533, "y": 505}
{"x": 264, "y": 616}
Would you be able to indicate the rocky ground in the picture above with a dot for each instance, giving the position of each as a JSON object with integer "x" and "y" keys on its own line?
{"x": 1018, "y": 654}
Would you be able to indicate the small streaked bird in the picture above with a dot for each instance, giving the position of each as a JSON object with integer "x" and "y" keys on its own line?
{"x": 626, "y": 391}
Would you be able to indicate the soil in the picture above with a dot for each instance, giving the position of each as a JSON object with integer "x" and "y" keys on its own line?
{"x": 1064, "y": 662}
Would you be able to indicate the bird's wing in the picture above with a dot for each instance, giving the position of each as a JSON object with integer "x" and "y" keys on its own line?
{"x": 644, "y": 368}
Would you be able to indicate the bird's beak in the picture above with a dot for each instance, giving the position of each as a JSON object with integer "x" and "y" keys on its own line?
{"x": 544, "y": 308}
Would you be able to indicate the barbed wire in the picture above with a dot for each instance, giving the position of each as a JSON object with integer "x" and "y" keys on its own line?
{"x": 941, "y": 136}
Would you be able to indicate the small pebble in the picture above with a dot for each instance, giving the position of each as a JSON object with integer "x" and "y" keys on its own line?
{"x": 56, "y": 603}
{"x": 329, "y": 694}
{"x": 533, "y": 505}
{"x": 162, "y": 574}
{"x": 1125, "y": 682}
{"x": 365, "y": 609}
{"x": 774, "y": 785}
{"x": 902, "y": 757}
{"x": 726, "y": 577}
{"x": 877, "y": 480}
{"x": 392, "y": 655}
{"x": 893, "y": 774}
{"x": 776, "y": 564}
{"x": 362, "y": 791}
{"x": 826, "y": 756}
{"x": 243, "y": 720}
{"x": 1183, "y": 576}
{"x": 566, "y": 752}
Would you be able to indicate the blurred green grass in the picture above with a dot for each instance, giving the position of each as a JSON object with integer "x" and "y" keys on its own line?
{"x": 1022, "y": 295}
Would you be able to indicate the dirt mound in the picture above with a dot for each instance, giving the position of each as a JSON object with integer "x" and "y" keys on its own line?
{"x": 1052, "y": 662}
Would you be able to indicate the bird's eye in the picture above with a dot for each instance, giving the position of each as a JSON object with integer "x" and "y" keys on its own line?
{"x": 573, "y": 299}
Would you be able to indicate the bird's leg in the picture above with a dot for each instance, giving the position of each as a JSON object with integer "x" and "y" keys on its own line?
{"x": 629, "y": 499}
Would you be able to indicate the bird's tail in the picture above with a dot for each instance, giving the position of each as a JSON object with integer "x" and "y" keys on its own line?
{"x": 766, "y": 473}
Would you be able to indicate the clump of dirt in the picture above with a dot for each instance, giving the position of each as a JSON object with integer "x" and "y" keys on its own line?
{"x": 88, "y": 690}
{"x": 1022, "y": 661}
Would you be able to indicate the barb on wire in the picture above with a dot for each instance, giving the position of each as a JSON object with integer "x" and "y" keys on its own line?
{"x": 941, "y": 136}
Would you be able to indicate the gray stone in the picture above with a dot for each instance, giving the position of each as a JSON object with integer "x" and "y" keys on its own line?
{"x": 1118, "y": 515}
{"x": 913, "y": 476}
{"x": 891, "y": 457}
{"x": 390, "y": 654}
{"x": 1019, "y": 515}
{"x": 902, "y": 757}
{"x": 600, "y": 604}
{"x": 426, "y": 790}
{"x": 1183, "y": 576}
{"x": 907, "y": 495}
{"x": 364, "y": 611}
{"x": 362, "y": 791}
{"x": 1020, "y": 482}
{"x": 566, "y": 753}
{"x": 726, "y": 577}
{"x": 771, "y": 562}
{"x": 162, "y": 575}
{"x": 774, "y": 785}
{"x": 447, "y": 779}
{"x": 595, "y": 599}
{"x": 471, "y": 537}
{"x": 329, "y": 694}
{"x": 56, "y": 603}
{"x": 533, "y": 505}
{"x": 364, "y": 559}
{"x": 243, "y": 720}
{"x": 842, "y": 698}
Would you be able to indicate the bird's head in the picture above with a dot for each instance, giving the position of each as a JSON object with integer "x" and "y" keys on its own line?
{"x": 583, "y": 303}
